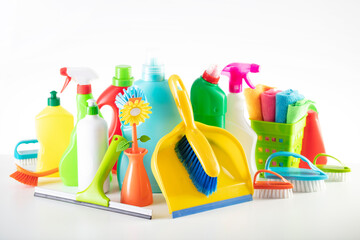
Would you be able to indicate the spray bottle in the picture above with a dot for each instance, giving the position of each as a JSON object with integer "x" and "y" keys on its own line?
{"x": 68, "y": 167}
{"x": 235, "y": 119}
{"x": 120, "y": 82}
{"x": 164, "y": 118}
{"x": 208, "y": 99}
{"x": 92, "y": 144}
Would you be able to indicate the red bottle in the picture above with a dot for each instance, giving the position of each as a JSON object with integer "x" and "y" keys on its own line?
{"x": 121, "y": 82}
{"x": 312, "y": 143}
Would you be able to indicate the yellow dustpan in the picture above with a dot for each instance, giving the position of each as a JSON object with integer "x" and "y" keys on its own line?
{"x": 234, "y": 180}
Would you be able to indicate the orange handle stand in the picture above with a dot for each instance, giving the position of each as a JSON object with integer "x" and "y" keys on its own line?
{"x": 136, "y": 188}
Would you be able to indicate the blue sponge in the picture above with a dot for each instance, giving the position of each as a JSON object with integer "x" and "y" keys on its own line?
{"x": 283, "y": 99}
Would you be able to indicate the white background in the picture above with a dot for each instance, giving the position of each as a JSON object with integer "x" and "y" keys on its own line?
{"x": 311, "y": 46}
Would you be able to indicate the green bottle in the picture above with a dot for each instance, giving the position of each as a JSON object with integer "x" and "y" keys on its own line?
{"x": 68, "y": 167}
{"x": 208, "y": 100}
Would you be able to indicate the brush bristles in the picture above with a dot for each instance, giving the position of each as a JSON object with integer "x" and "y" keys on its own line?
{"x": 203, "y": 183}
{"x": 24, "y": 178}
{"x": 306, "y": 186}
{"x": 273, "y": 193}
{"x": 28, "y": 164}
{"x": 337, "y": 177}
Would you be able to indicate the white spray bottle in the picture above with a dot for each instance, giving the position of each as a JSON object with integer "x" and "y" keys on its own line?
{"x": 92, "y": 143}
{"x": 68, "y": 163}
{"x": 235, "y": 120}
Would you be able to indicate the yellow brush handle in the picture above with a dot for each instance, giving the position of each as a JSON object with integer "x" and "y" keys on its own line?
{"x": 182, "y": 100}
{"x": 195, "y": 137}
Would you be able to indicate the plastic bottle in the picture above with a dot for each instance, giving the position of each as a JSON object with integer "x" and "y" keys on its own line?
{"x": 92, "y": 144}
{"x": 236, "y": 123}
{"x": 53, "y": 128}
{"x": 121, "y": 81}
{"x": 164, "y": 117}
{"x": 68, "y": 164}
{"x": 208, "y": 99}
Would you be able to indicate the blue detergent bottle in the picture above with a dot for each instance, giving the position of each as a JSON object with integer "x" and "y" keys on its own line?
{"x": 164, "y": 118}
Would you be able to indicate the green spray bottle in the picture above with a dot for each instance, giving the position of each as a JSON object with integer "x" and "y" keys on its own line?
{"x": 68, "y": 167}
{"x": 208, "y": 99}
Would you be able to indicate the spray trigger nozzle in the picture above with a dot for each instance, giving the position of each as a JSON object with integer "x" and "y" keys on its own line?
{"x": 81, "y": 75}
{"x": 238, "y": 72}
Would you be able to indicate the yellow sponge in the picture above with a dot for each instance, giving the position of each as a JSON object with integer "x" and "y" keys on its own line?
{"x": 253, "y": 103}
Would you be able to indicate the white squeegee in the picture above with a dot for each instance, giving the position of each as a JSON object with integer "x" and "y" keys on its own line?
{"x": 113, "y": 206}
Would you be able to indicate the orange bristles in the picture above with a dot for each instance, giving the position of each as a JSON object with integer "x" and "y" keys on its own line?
{"x": 24, "y": 178}
{"x": 30, "y": 178}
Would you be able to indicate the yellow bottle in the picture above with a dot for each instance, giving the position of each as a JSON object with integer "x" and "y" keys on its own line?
{"x": 53, "y": 129}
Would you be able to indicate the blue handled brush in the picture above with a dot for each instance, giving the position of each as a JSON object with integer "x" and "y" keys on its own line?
{"x": 304, "y": 180}
{"x": 26, "y": 158}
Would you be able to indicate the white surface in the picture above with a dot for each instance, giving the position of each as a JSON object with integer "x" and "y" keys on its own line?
{"x": 331, "y": 214}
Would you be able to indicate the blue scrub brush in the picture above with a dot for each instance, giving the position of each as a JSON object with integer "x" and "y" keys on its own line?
{"x": 26, "y": 158}
{"x": 304, "y": 180}
{"x": 131, "y": 92}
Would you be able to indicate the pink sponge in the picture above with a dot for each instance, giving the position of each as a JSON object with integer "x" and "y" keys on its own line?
{"x": 268, "y": 104}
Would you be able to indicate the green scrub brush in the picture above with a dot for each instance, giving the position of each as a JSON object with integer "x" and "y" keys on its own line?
{"x": 336, "y": 173}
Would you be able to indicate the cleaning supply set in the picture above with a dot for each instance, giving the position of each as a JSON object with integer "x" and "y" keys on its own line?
{"x": 53, "y": 128}
{"x": 273, "y": 132}
{"x": 200, "y": 154}
{"x": 94, "y": 196}
{"x": 154, "y": 90}
{"x": 199, "y": 167}
{"x": 304, "y": 180}
{"x": 288, "y": 122}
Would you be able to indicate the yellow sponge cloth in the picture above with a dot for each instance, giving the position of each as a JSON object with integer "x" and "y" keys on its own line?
{"x": 253, "y": 103}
